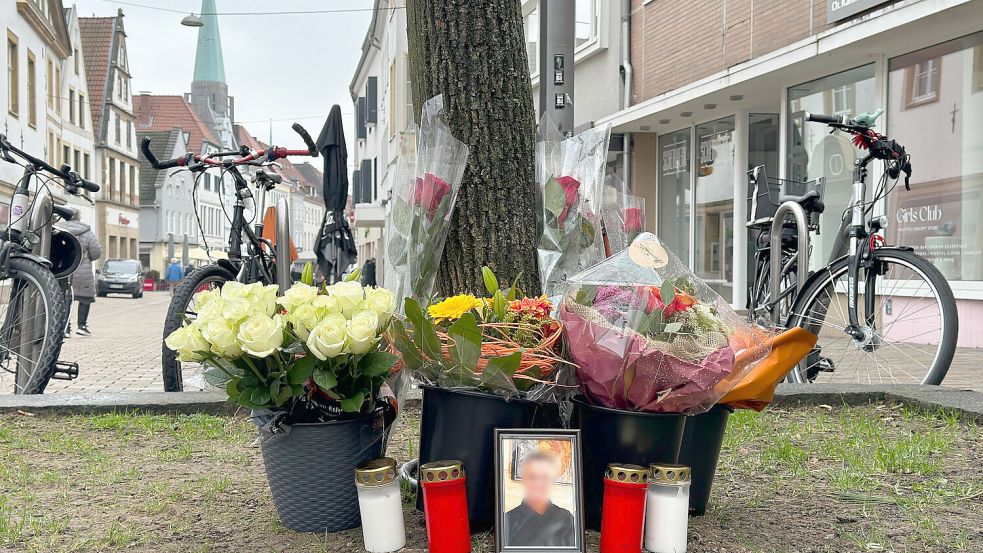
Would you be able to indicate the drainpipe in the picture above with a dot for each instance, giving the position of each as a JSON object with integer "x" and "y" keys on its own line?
{"x": 626, "y": 72}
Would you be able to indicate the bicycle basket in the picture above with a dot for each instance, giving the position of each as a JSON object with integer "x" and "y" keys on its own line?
{"x": 766, "y": 193}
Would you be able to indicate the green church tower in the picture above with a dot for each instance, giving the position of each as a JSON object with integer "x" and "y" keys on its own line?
{"x": 209, "y": 93}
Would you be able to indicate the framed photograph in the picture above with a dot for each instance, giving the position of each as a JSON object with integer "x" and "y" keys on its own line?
{"x": 538, "y": 491}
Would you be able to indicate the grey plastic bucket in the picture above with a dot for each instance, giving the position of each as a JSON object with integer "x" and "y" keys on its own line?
{"x": 311, "y": 471}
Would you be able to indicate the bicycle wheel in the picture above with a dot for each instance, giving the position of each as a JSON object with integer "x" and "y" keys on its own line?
{"x": 909, "y": 335}
{"x": 33, "y": 312}
{"x": 181, "y": 309}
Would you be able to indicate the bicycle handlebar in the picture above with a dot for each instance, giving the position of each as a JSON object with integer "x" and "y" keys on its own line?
{"x": 269, "y": 154}
{"x": 826, "y": 119}
{"x": 72, "y": 179}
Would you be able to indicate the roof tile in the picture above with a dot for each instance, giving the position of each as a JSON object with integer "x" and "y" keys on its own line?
{"x": 163, "y": 113}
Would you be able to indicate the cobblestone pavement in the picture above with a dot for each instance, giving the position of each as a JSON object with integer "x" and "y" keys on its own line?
{"x": 123, "y": 353}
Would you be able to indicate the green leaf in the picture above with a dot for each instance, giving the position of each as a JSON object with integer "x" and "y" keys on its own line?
{"x": 654, "y": 323}
{"x": 424, "y": 335}
{"x": 216, "y": 376}
{"x": 499, "y": 305}
{"x": 410, "y": 353}
{"x": 354, "y": 403}
{"x": 301, "y": 370}
{"x": 554, "y": 198}
{"x": 232, "y": 388}
{"x": 325, "y": 379}
{"x": 307, "y": 276}
{"x": 376, "y": 363}
{"x": 285, "y": 394}
{"x": 467, "y": 341}
{"x": 274, "y": 388}
{"x": 491, "y": 283}
{"x": 667, "y": 293}
{"x": 501, "y": 369}
{"x": 514, "y": 291}
{"x": 673, "y": 327}
{"x": 354, "y": 276}
{"x": 260, "y": 396}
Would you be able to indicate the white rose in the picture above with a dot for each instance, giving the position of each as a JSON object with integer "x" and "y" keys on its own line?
{"x": 382, "y": 301}
{"x": 363, "y": 332}
{"x": 221, "y": 334}
{"x": 206, "y": 297}
{"x": 261, "y": 335}
{"x": 296, "y": 295}
{"x": 234, "y": 289}
{"x": 263, "y": 298}
{"x": 326, "y": 305}
{"x": 349, "y": 296}
{"x": 236, "y": 309}
{"x": 329, "y": 338}
{"x": 302, "y": 319}
{"x": 188, "y": 342}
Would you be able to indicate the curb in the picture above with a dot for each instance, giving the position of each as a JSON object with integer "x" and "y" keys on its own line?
{"x": 968, "y": 404}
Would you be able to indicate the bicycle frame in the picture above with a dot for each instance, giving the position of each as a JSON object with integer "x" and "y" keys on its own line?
{"x": 254, "y": 267}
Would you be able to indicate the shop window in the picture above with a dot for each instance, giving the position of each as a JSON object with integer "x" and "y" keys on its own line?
{"x": 714, "y": 254}
{"x": 940, "y": 216}
{"x": 922, "y": 82}
{"x": 675, "y": 173}
{"x": 813, "y": 152}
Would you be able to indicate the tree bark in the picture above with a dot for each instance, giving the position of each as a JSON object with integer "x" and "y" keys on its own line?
{"x": 473, "y": 52}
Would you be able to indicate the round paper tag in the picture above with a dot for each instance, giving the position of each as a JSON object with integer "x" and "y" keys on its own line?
{"x": 648, "y": 253}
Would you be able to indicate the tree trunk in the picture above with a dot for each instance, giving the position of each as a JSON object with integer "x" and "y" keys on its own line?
{"x": 473, "y": 52}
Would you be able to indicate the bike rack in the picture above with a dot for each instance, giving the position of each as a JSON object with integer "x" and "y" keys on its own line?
{"x": 801, "y": 267}
{"x": 282, "y": 245}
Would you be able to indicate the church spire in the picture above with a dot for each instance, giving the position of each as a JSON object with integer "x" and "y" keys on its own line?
{"x": 209, "y": 66}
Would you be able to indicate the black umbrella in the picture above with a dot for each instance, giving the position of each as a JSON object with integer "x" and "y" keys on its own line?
{"x": 335, "y": 247}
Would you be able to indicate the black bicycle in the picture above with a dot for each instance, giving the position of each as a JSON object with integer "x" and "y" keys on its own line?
{"x": 251, "y": 257}
{"x": 883, "y": 313}
{"x": 33, "y": 257}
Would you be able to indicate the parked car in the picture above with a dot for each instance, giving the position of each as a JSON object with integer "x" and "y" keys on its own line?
{"x": 120, "y": 276}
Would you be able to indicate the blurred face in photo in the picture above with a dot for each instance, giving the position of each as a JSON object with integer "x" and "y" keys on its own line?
{"x": 539, "y": 472}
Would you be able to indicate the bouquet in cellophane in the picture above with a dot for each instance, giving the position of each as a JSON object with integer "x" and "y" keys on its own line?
{"x": 623, "y": 214}
{"x": 424, "y": 195}
{"x": 648, "y": 335}
{"x": 570, "y": 173}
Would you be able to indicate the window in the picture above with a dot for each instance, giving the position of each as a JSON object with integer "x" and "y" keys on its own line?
{"x": 530, "y": 22}
{"x": 586, "y": 24}
{"x": 75, "y": 59}
{"x": 393, "y": 100}
{"x": 71, "y": 106}
{"x": 118, "y": 123}
{"x": 51, "y": 83}
{"x": 133, "y": 184}
{"x": 208, "y": 182}
{"x": 58, "y": 90}
{"x": 714, "y": 200}
{"x": 78, "y": 162}
{"x": 922, "y": 82}
{"x": 841, "y": 100}
{"x": 940, "y": 216}
{"x": 129, "y": 134}
{"x": 112, "y": 177}
{"x": 674, "y": 192}
{"x": 85, "y": 166}
{"x": 81, "y": 110}
{"x": 50, "y": 152}
{"x": 13, "y": 75}
{"x": 32, "y": 90}
{"x": 66, "y": 154}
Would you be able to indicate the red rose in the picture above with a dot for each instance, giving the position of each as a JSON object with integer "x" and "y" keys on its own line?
{"x": 571, "y": 189}
{"x": 680, "y": 302}
{"x": 633, "y": 219}
{"x": 429, "y": 192}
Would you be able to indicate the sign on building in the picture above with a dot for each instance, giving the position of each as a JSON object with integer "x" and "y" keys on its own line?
{"x": 838, "y": 10}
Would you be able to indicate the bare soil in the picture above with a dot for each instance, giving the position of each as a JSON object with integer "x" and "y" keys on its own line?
{"x": 878, "y": 478}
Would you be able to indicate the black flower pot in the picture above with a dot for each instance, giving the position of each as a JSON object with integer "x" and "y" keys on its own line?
{"x": 460, "y": 424}
{"x": 700, "y": 451}
{"x": 311, "y": 471}
{"x": 613, "y": 436}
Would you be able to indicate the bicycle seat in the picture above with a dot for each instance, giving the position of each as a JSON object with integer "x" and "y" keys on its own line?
{"x": 65, "y": 212}
{"x": 808, "y": 201}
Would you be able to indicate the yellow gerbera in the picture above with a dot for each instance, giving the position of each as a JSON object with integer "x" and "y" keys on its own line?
{"x": 453, "y": 307}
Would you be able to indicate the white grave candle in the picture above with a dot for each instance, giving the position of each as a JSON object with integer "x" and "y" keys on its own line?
{"x": 380, "y": 505}
{"x": 667, "y": 508}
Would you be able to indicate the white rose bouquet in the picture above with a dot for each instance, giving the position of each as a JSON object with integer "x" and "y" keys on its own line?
{"x": 268, "y": 352}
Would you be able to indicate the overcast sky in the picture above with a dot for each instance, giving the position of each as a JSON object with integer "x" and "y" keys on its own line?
{"x": 285, "y": 67}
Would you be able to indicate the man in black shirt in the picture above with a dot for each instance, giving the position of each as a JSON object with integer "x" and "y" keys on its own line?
{"x": 537, "y": 521}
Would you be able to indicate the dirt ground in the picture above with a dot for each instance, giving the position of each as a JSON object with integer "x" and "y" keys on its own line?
{"x": 878, "y": 478}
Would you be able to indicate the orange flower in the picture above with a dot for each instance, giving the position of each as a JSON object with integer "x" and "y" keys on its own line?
{"x": 539, "y": 307}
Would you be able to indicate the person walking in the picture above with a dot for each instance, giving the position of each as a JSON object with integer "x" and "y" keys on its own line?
{"x": 173, "y": 275}
{"x": 368, "y": 273}
{"x": 83, "y": 280}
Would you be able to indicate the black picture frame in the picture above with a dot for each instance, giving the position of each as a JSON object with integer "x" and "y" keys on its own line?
{"x": 509, "y": 456}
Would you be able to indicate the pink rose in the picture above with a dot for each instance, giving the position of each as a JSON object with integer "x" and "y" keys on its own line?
{"x": 571, "y": 189}
{"x": 429, "y": 192}
{"x": 633, "y": 219}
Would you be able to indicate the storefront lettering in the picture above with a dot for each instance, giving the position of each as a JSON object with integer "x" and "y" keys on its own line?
{"x": 675, "y": 158}
{"x": 923, "y": 214}
{"x": 837, "y": 10}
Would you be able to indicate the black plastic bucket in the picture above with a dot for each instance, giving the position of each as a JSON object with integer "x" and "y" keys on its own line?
{"x": 613, "y": 436}
{"x": 460, "y": 424}
{"x": 701, "y": 450}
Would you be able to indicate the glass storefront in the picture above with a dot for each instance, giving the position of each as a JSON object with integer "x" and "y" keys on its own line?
{"x": 674, "y": 192}
{"x": 935, "y": 109}
{"x": 813, "y": 152}
{"x": 763, "y": 138}
{"x": 714, "y": 253}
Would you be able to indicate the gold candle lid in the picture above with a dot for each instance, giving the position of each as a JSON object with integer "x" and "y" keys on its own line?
{"x": 632, "y": 474}
{"x": 669, "y": 474}
{"x": 377, "y": 472}
{"x": 442, "y": 471}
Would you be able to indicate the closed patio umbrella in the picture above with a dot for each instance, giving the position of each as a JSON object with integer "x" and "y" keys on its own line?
{"x": 335, "y": 248}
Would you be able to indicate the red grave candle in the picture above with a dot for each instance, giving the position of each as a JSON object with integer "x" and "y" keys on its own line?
{"x": 623, "y": 513}
{"x": 445, "y": 507}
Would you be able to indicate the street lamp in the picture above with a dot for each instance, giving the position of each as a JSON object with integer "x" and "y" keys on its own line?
{"x": 192, "y": 20}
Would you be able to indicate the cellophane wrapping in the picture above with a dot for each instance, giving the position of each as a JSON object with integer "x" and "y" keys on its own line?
{"x": 570, "y": 177}
{"x": 425, "y": 191}
{"x": 648, "y": 335}
{"x": 623, "y": 214}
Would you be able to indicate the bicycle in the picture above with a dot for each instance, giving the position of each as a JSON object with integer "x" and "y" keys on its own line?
{"x": 33, "y": 256}
{"x": 876, "y": 308}
{"x": 256, "y": 259}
